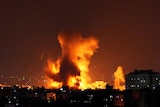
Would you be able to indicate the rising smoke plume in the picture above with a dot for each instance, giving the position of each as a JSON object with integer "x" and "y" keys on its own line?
{"x": 71, "y": 68}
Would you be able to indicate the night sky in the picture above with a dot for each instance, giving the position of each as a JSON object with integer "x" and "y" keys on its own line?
{"x": 128, "y": 33}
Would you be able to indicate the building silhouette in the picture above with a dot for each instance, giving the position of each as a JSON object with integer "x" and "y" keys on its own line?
{"x": 142, "y": 90}
{"x": 141, "y": 79}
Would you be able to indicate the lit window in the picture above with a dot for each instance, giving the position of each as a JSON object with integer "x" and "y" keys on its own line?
{"x": 133, "y": 85}
{"x": 153, "y": 87}
{"x": 143, "y": 81}
{"x": 105, "y": 99}
{"x": 121, "y": 99}
{"x": 9, "y": 102}
{"x": 27, "y": 88}
{"x": 14, "y": 90}
{"x": 111, "y": 96}
{"x": 61, "y": 89}
{"x": 36, "y": 94}
{"x": 117, "y": 96}
{"x": 105, "y": 105}
{"x": 86, "y": 101}
{"x": 14, "y": 97}
{"x": 71, "y": 101}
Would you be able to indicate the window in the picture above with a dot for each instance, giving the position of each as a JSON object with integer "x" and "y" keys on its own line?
{"x": 111, "y": 96}
{"x": 143, "y": 80}
{"x": 153, "y": 87}
{"x": 117, "y": 96}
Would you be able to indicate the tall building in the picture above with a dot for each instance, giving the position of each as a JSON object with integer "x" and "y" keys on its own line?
{"x": 140, "y": 79}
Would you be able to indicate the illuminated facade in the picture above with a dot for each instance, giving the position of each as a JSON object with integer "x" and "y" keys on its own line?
{"x": 140, "y": 79}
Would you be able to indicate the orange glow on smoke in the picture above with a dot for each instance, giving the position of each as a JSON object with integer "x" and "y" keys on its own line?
{"x": 54, "y": 66}
{"x": 56, "y": 84}
{"x": 119, "y": 79}
{"x": 72, "y": 81}
{"x": 51, "y": 83}
{"x": 72, "y": 67}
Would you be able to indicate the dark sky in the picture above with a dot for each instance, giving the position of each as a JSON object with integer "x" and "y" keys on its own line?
{"x": 128, "y": 31}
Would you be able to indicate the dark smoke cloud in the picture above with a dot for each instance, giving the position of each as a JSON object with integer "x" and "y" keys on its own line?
{"x": 68, "y": 69}
{"x": 75, "y": 50}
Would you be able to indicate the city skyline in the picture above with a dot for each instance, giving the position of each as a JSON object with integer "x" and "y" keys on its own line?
{"x": 137, "y": 79}
{"x": 127, "y": 31}
{"x": 142, "y": 89}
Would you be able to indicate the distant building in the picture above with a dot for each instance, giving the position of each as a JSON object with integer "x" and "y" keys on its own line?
{"x": 140, "y": 79}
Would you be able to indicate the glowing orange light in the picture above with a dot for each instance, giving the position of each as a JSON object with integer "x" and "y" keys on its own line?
{"x": 119, "y": 79}
{"x": 78, "y": 52}
{"x": 54, "y": 66}
{"x": 53, "y": 84}
{"x": 98, "y": 85}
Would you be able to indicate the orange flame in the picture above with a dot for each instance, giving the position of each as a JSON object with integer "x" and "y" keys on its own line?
{"x": 54, "y": 66}
{"x": 119, "y": 79}
{"x": 72, "y": 67}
